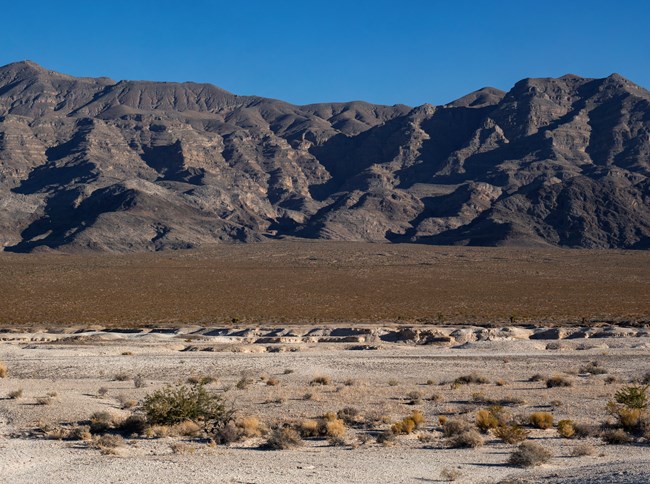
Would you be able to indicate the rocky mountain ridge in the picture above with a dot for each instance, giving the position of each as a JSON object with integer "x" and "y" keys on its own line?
{"x": 136, "y": 165}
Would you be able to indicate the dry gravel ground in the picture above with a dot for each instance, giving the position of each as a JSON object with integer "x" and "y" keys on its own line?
{"x": 377, "y": 384}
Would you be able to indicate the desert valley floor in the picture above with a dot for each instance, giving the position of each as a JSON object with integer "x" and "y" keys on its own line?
{"x": 289, "y": 332}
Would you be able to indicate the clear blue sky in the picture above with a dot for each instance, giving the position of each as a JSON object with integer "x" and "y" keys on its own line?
{"x": 408, "y": 51}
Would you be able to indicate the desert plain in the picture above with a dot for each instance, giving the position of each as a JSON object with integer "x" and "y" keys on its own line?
{"x": 339, "y": 342}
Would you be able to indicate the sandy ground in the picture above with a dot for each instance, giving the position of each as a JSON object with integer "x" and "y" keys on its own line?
{"x": 378, "y": 382}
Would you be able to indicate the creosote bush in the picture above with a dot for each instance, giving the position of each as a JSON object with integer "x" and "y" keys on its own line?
{"x": 529, "y": 454}
{"x": 541, "y": 420}
{"x": 173, "y": 405}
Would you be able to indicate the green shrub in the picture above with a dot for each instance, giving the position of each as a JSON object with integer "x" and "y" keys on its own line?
{"x": 173, "y": 405}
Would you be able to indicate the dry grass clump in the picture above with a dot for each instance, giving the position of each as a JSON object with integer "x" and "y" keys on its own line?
{"x": 244, "y": 382}
{"x": 108, "y": 444}
{"x": 490, "y": 418}
{"x": 537, "y": 377}
{"x": 101, "y": 422}
{"x": 309, "y": 428}
{"x": 4, "y": 371}
{"x": 408, "y": 424}
{"x": 511, "y": 433}
{"x": 15, "y": 394}
{"x": 582, "y": 450}
{"x": 566, "y": 428}
{"x": 472, "y": 378}
{"x": 321, "y": 380}
{"x": 335, "y": 428}
{"x": 122, "y": 377}
{"x": 272, "y": 381}
{"x": 283, "y": 438}
{"x": 529, "y": 454}
{"x": 558, "y": 381}
{"x": 102, "y": 391}
{"x": 450, "y": 475}
{"x": 541, "y": 420}
{"x": 139, "y": 381}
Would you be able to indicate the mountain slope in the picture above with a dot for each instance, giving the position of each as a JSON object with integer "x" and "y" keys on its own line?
{"x": 136, "y": 165}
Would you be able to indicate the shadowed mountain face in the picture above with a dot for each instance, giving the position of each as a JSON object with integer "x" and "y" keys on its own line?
{"x": 134, "y": 165}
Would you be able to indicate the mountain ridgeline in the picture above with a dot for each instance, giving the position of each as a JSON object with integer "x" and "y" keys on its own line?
{"x": 94, "y": 164}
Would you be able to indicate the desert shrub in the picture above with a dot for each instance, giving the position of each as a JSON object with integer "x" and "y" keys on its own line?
{"x": 133, "y": 424}
{"x": 632, "y": 396}
{"x": 616, "y": 437}
{"x": 582, "y": 450}
{"x": 583, "y": 430}
{"x": 455, "y": 427}
{"x": 81, "y": 432}
{"x": 611, "y": 379}
{"x": 541, "y": 420}
{"x": 592, "y": 368}
{"x": 287, "y": 371}
{"x": 16, "y": 394}
{"x": 283, "y": 438}
{"x": 511, "y": 433}
{"x": 3, "y": 370}
{"x": 201, "y": 380}
{"x": 139, "y": 382}
{"x": 272, "y": 381}
{"x": 102, "y": 391}
{"x": 228, "y": 434}
{"x": 349, "y": 415}
{"x": 109, "y": 441}
{"x": 334, "y": 428}
{"x": 442, "y": 420}
{"x": 490, "y": 418}
{"x": 529, "y": 454}
{"x": 472, "y": 378}
{"x": 468, "y": 438}
{"x": 101, "y": 422}
{"x": 125, "y": 401}
{"x": 537, "y": 377}
{"x": 309, "y": 428}
{"x": 243, "y": 383}
{"x": 450, "y": 475}
{"x": 393, "y": 382}
{"x": 250, "y": 426}
{"x": 46, "y": 400}
{"x": 558, "y": 381}
{"x": 321, "y": 380}
{"x": 181, "y": 448}
{"x": 121, "y": 377}
{"x": 629, "y": 407}
{"x": 435, "y": 397}
{"x": 566, "y": 428}
{"x": 173, "y": 405}
{"x": 414, "y": 397}
{"x": 386, "y": 438}
{"x": 408, "y": 424}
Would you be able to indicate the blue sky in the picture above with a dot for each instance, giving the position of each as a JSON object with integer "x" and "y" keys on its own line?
{"x": 387, "y": 52}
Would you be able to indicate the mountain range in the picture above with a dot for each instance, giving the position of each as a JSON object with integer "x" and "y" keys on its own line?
{"x": 95, "y": 164}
